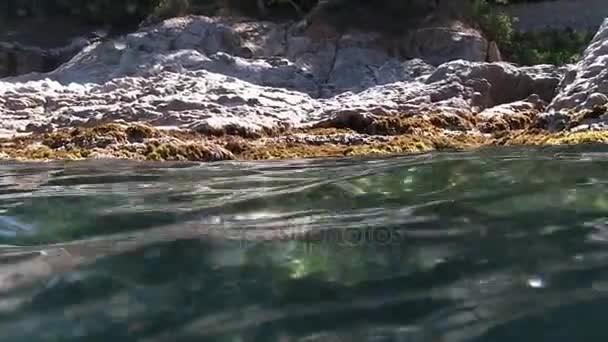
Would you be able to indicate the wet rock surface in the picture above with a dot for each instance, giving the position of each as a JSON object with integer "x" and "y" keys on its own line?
{"x": 217, "y": 77}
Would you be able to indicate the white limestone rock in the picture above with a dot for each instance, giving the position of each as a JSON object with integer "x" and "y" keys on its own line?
{"x": 586, "y": 84}
{"x": 209, "y": 74}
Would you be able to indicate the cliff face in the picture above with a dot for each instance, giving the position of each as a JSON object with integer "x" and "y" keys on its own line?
{"x": 584, "y": 89}
{"x": 255, "y": 74}
{"x": 408, "y": 27}
{"x": 253, "y": 79}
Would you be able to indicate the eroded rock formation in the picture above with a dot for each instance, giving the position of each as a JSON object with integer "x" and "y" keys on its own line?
{"x": 217, "y": 76}
{"x": 584, "y": 87}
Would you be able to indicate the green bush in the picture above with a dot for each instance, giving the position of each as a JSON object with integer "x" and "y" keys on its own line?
{"x": 547, "y": 47}
{"x": 528, "y": 48}
{"x": 497, "y": 26}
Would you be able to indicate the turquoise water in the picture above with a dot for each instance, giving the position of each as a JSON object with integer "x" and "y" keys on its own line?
{"x": 493, "y": 245}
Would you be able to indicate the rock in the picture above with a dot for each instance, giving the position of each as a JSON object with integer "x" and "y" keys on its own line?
{"x": 586, "y": 84}
{"x": 180, "y": 99}
{"x": 507, "y": 83}
{"x": 514, "y": 115}
{"x": 595, "y": 99}
{"x": 356, "y": 65}
{"x": 353, "y": 63}
{"x": 264, "y": 39}
{"x": 494, "y": 54}
{"x": 542, "y": 80}
{"x": 457, "y": 87}
{"x": 532, "y": 103}
{"x": 417, "y": 69}
{"x": 438, "y": 45}
{"x": 18, "y": 59}
{"x": 192, "y": 72}
{"x": 318, "y": 58}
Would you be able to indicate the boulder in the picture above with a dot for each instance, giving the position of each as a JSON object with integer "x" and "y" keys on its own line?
{"x": 357, "y": 65}
{"x": 502, "y": 82}
{"x": 511, "y": 116}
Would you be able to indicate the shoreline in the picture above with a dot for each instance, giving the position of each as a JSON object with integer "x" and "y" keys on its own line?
{"x": 257, "y": 90}
{"x": 401, "y": 135}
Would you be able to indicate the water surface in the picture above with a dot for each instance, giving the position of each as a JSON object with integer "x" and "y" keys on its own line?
{"x": 492, "y": 245}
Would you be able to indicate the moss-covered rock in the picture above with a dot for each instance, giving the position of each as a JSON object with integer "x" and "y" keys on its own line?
{"x": 378, "y": 136}
{"x": 540, "y": 138}
{"x": 195, "y": 151}
{"x": 99, "y": 136}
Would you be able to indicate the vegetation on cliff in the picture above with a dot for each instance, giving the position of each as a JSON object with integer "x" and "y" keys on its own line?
{"x": 547, "y": 47}
{"x": 528, "y": 48}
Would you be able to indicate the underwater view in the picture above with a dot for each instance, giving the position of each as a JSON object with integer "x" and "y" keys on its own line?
{"x": 494, "y": 245}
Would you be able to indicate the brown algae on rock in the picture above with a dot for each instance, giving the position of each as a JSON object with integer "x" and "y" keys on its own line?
{"x": 512, "y": 122}
{"x": 538, "y": 138}
{"x": 42, "y": 152}
{"x": 113, "y": 140}
{"x": 370, "y": 136}
{"x": 407, "y": 143}
{"x": 594, "y": 113}
{"x": 401, "y": 124}
{"x": 98, "y": 136}
{"x": 196, "y": 151}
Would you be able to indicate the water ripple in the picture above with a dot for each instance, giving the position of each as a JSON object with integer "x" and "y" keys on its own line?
{"x": 491, "y": 245}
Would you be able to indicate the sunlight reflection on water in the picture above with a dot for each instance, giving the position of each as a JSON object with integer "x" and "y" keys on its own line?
{"x": 494, "y": 245}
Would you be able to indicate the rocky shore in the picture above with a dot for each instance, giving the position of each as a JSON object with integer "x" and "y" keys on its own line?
{"x": 204, "y": 89}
